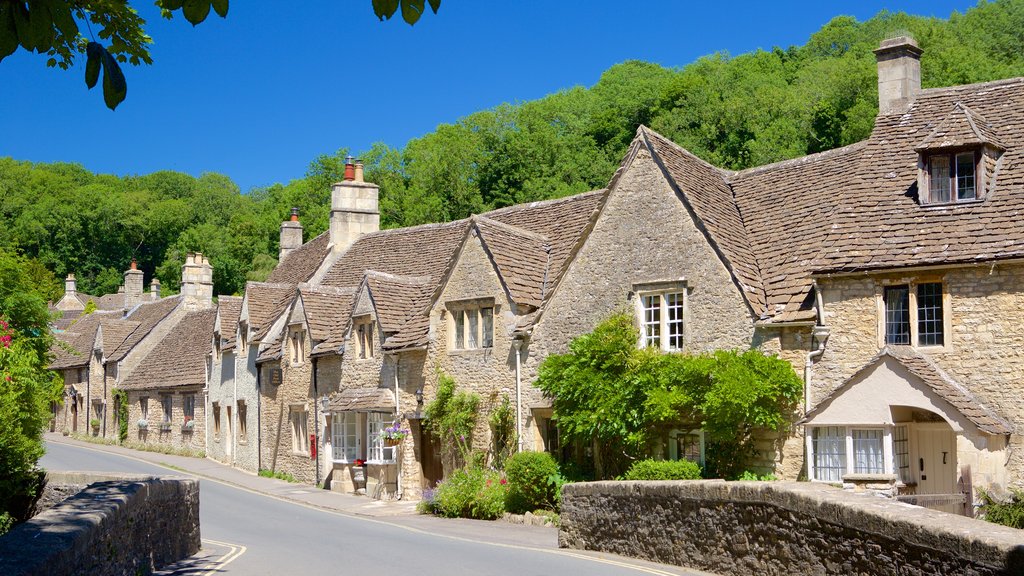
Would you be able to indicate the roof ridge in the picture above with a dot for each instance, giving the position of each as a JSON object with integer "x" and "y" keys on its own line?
{"x": 409, "y": 229}
{"x": 397, "y": 278}
{"x": 540, "y": 203}
{"x": 326, "y": 290}
{"x": 478, "y": 218}
{"x": 282, "y": 285}
{"x": 725, "y": 173}
{"x": 823, "y": 155}
{"x": 940, "y": 90}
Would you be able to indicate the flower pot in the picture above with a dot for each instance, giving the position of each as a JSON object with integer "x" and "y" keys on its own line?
{"x": 391, "y": 442}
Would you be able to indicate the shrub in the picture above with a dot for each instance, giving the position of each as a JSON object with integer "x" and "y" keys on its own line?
{"x": 471, "y": 492}
{"x": 663, "y": 470}
{"x": 1009, "y": 512}
{"x": 534, "y": 482}
{"x": 749, "y": 475}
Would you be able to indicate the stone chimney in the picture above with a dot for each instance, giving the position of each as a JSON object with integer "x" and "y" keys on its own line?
{"x": 197, "y": 282}
{"x": 354, "y": 209}
{"x": 70, "y": 286}
{"x": 899, "y": 74}
{"x": 70, "y": 299}
{"x": 291, "y": 235}
{"x": 154, "y": 290}
{"x": 132, "y": 285}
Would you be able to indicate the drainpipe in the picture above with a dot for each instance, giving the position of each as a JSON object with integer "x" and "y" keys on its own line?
{"x": 104, "y": 424}
{"x": 316, "y": 422}
{"x": 398, "y": 417}
{"x": 820, "y": 334}
{"x": 234, "y": 381}
{"x": 517, "y": 345}
{"x": 259, "y": 419}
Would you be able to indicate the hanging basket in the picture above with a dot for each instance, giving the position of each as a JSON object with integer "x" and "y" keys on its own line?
{"x": 391, "y": 442}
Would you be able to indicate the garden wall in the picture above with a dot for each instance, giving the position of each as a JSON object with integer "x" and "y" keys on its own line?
{"x": 119, "y": 524}
{"x": 781, "y": 528}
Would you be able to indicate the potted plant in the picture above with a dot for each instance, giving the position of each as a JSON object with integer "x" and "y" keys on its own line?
{"x": 165, "y": 427}
{"x": 143, "y": 424}
{"x": 95, "y": 423}
{"x": 393, "y": 435}
{"x": 188, "y": 425}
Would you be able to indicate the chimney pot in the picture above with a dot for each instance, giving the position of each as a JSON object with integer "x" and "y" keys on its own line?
{"x": 295, "y": 215}
{"x": 134, "y": 265}
{"x": 359, "y": 171}
{"x": 350, "y": 169}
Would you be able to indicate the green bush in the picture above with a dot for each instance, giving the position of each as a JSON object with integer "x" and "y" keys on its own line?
{"x": 663, "y": 470}
{"x": 534, "y": 482}
{"x": 471, "y": 492}
{"x": 749, "y": 475}
{"x": 1009, "y": 512}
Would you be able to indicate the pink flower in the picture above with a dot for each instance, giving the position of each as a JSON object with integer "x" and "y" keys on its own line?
{"x": 503, "y": 481}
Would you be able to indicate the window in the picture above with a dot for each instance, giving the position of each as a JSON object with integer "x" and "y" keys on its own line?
{"x": 867, "y": 451}
{"x": 829, "y": 443}
{"x": 364, "y": 337}
{"x": 296, "y": 345}
{"x": 97, "y": 409}
{"x": 662, "y": 320}
{"x": 952, "y": 178}
{"x": 188, "y": 407}
{"x": 552, "y": 444}
{"x": 473, "y": 328}
{"x": 216, "y": 422}
{"x": 300, "y": 442}
{"x": 241, "y": 422}
{"x": 344, "y": 438}
{"x": 901, "y": 452}
{"x": 243, "y": 338}
{"x": 168, "y": 405}
{"x": 686, "y": 445}
{"x": 914, "y": 313}
{"x": 376, "y": 450}
{"x": 144, "y": 407}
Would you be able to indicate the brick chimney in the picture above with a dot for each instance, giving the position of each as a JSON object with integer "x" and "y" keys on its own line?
{"x": 899, "y": 74}
{"x": 291, "y": 235}
{"x": 154, "y": 290}
{"x": 354, "y": 209}
{"x": 197, "y": 282}
{"x": 132, "y": 285}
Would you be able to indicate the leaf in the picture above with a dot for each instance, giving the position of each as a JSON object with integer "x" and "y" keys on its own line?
{"x": 435, "y": 5}
{"x": 221, "y": 7}
{"x": 21, "y": 25}
{"x": 40, "y": 25}
{"x": 412, "y": 10}
{"x": 385, "y": 9}
{"x": 196, "y": 11}
{"x": 94, "y": 51}
{"x": 8, "y": 31}
{"x": 171, "y": 5}
{"x": 63, "y": 19}
{"x": 114, "y": 86}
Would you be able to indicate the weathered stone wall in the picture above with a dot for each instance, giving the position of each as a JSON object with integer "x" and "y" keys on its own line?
{"x": 220, "y": 393}
{"x": 781, "y": 528}
{"x": 984, "y": 350}
{"x": 176, "y": 434}
{"x": 246, "y": 451}
{"x": 123, "y": 524}
{"x": 276, "y": 404}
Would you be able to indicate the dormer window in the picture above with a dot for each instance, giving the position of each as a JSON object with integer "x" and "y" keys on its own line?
{"x": 364, "y": 328}
{"x": 952, "y": 177}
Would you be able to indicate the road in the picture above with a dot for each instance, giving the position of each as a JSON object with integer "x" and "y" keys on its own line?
{"x": 245, "y": 532}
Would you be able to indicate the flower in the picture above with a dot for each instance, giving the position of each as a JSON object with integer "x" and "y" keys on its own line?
{"x": 504, "y": 481}
{"x": 360, "y": 462}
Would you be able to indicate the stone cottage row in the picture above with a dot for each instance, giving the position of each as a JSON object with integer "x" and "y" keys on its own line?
{"x": 887, "y": 272}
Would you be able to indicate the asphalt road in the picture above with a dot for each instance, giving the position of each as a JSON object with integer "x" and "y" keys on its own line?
{"x": 245, "y": 532}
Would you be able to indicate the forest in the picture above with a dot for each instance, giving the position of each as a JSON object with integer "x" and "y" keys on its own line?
{"x": 733, "y": 111}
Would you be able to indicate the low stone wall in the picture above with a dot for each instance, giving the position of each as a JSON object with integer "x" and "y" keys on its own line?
{"x": 119, "y": 524}
{"x": 781, "y": 528}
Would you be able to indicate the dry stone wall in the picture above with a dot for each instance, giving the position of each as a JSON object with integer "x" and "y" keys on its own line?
{"x": 781, "y": 528}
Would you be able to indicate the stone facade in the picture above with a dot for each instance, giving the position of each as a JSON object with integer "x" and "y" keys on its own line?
{"x": 285, "y": 445}
{"x": 780, "y": 528}
{"x": 167, "y": 428}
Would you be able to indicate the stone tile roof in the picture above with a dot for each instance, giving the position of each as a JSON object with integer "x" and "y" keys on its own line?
{"x": 300, "y": 265}
{"x": 935, "y": 378}
{"x": 961, "y": 128}
{"x": 882, "y": 225}
{"x": 706, "y": 192}
{"x": 148, "y": 315}
{"x": 116, "y": 332}
{"x": 271, "y": 349}
{"x": 414, "y": 333}
{"x": 328, "y": 311}
{"x": 63, "y": 319}
{"x": 520, "y": 256}
{"x": 363, "y": 400}
{"x": 397, "y": 298}
{"x": 180, "y": 358}
{"x": 73, "y": 347}
{"x": 266, "y": 302}
{"x": 229, "y": 308}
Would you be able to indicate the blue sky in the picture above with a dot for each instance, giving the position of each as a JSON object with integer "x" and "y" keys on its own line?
{"x": 259, "y": 95}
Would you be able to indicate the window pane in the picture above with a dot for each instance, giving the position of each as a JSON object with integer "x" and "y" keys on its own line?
{"x": 343, "y": 436}
{"x": 938, "y": 179}
{"x": 901, "y": 452}
{"x": 674, "y": 321}
{"x": 487, "y": 326}
{"x": 897, "y": 315}
{"x": 652, "y": 320}
{"x": 867, "y": 451}
{"x": 965, "y": 189}
{"x": 829, "y": 453}
{"x": 460, "y": 329}
{"x": 374, "y": 443}
{"x": 929, "y": 314}
{"x": 472, "y": 331}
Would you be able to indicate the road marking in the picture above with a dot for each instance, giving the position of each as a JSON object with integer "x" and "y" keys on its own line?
{"x": 558, "y": 551}
{"x": 234, "y": 551}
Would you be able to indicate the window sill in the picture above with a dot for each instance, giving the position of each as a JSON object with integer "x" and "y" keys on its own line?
{"x": 864, "y": 477}
{"x": 471, "y": 351}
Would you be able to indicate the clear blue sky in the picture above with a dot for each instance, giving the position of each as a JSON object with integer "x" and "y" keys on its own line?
{"x": 259, "y": 95}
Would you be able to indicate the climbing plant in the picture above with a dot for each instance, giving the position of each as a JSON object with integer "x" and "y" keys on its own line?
{"x": 503, "y": 432}
{"x": 121, "y": 401}
{"x": 451, "y": 416}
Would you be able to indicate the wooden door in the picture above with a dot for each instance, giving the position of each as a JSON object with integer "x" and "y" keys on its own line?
{"x": 935, "y": 462}
{"x": 433, "y": 471}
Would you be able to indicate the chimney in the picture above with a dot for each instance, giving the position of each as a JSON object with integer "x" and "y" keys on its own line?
{"x": 197, "y": 282}
{"x": 132, "y": 285}
{"x": 70, "y": 286}
{"x": 291, "y": 235}
{"x": 154, "y": 290}
{"x": 899, "y": 74}
{"x": 354, "y": 209}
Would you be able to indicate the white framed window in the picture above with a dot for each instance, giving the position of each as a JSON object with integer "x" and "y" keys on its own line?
{"x": 300, "y": 441}
{"x": 662, "y": 321}
{"x": 867, "y": 451}
{"x": 829, "y": 446}
{"x": 686, "y": 445}
{"x": 296, "y": 345}
{"x": 344, "y": 436}
{"x": 473, "y": 328}
{"x": 952, "y": 177}
{"x": 901, "y": 452}
{"x": 376, "y": 451}
{"x": 364, "y": 328}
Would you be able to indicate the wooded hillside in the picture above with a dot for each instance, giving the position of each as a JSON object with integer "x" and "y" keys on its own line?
{"x": 733, "y": 111}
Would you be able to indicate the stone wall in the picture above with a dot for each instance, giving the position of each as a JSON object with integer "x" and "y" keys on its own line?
{"x": 781, "y": 528}
{"x": 177, "y": 434}
{"x": 281, "y": 450}
{"x": 123, "y": 524}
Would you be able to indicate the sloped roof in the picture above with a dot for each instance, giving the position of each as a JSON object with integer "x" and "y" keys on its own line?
{"x": 935, "y": 378}
{"x": 300, "y": 264}
{"x": 520, "y": 256}
{"x": 148, "y": 315}
{"x": 180, "y": 358}
{"x": 882, "y": 225}
{"x": 396, "y": 298}
{"x": 63, "y": 319}
{"x": 266, "y": 301}
{"x": 229, "y": 308}
{"x": 961, "y": 128}
{"x": 363, "y": 400}
{"x": 116, "y": 332}
{"x": 73, "y": 347}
